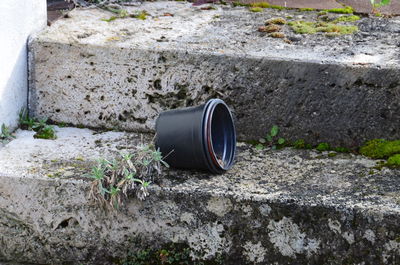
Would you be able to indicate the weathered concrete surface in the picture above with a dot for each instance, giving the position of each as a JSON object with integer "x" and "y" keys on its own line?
{"x": 341, "y": 90}
{"x": 273, "y": 207}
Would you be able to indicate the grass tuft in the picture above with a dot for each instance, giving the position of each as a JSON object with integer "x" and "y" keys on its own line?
{"x": 114, "y": 179}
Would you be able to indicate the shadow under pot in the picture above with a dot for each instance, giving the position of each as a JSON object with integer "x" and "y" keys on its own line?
{"x": 201, "y": 137}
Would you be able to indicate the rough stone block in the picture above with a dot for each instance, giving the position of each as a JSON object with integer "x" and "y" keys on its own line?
{"x": 121, "y": 74}
{"x": 273, "y": 207}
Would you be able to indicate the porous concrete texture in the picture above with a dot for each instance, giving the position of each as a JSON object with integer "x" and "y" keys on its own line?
{"x": 19, "y": 18}
{"x": 121, "y": 74}
{"x": 273, "y": 207}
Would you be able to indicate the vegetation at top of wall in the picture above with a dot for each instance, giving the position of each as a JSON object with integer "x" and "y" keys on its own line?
{"x": 114, "y": 179}
{"x": 42, "y": 129}
{"x": 5, "y": 134}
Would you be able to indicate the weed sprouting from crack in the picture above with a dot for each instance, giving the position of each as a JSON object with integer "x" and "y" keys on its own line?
{"x": 42, "y": 129}
{"x": 5, "y": 134}
{"x": 114, "y": 180}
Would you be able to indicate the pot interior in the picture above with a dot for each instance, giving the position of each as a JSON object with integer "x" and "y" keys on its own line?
{"x": 223, "y": 136}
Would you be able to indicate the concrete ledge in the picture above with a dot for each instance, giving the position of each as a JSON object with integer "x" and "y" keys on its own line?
{"x": 273, "y": 207}
{"x": 121, "y": 74}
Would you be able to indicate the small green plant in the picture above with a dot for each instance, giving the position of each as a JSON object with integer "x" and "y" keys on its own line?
{"x": 114, "y": 179}
{"x": 271, "y": 139}
{"x": 42, "y": 129}
{"x": 5, "y": 134}
{"x": 323, "y": 147}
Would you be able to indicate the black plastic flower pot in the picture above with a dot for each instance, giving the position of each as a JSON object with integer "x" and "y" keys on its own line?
{"x": 201, "y": 137}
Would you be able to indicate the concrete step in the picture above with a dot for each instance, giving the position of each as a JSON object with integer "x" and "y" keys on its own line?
{"x": 121, "y": 74}
{"x": 274, "y": 207}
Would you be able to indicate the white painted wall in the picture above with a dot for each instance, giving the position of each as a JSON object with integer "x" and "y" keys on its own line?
{"x": 18, "y": 19}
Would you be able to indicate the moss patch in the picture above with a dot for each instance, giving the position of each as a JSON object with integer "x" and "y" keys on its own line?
{"x": 344, "y": 10}
{"x": 276, "y": 21}
{"x": 309, "y": 27}
{"x": 278, "y": 35}
{"x": 301, "y": 144}
{"x": 306, "y": 9}
{"x": 380, "y": 148}
{"x": 261, "y": 4}
{"x": 351, "y": 18}
{"x": 269, "y": 28}
{"x": 394, "y": 161}
{"x": 256, "y": 9}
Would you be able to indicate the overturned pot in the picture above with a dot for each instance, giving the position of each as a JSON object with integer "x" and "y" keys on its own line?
{"x": 201, "y": 137}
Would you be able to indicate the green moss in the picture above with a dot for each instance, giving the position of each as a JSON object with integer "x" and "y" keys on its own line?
{"x": 277, "y": 7}
{"x": 393, "y": 161}
{"x": 332, "y": 154}
{"x": 341, "y": 149}
{"x": 380, "y": 148}
{"x": 322, "y": 13}
{"x": 301, "y": 144}
{"x": 276, "y": 21}
{"x": 303, "y": 27}
{"x": 261, "y": 4}
{"x": 344, "y": 10}
{"x": 323, "y": 147}
{"x": 351, "y": 18}
{"x": 338, "y": 29}
{"x": 307, "y": 9}
{"x": 256, "y": 9}
{"x": 239, "y": 4}
{"x": 309, "y": 27}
